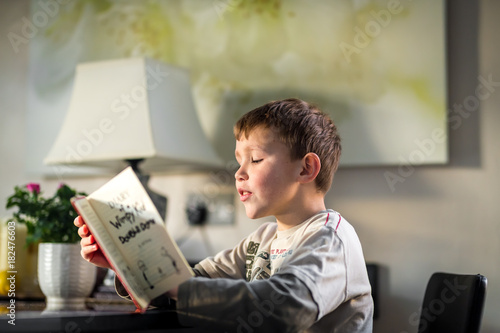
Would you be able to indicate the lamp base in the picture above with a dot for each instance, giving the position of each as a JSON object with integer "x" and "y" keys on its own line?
{"x": 159, "y": 200}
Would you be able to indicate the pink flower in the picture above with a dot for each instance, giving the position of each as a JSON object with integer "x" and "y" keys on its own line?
{"x": 33, "y": 187}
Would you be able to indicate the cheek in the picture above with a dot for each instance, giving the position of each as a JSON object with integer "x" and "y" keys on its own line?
{"x": 272, "y": 184}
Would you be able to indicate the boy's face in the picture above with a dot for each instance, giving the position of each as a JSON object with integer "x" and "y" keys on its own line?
{"x": 267, "y": 177}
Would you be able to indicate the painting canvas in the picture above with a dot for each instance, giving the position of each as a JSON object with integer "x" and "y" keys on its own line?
{"x": 376, "y": 67}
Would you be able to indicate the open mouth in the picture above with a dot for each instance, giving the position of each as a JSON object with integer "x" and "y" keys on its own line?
{"x": 244, "y": 194}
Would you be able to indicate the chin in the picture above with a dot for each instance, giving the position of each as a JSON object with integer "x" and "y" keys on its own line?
{"x": 252, "y": 214}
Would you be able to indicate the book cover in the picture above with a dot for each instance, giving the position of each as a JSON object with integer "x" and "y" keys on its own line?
{"x": 132, "y": 236}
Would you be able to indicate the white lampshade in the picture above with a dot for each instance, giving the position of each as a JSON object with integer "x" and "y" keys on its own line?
{"x": 135, "y": 108}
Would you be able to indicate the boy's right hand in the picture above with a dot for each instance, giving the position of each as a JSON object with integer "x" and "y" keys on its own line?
{"x": 90, "y": 250}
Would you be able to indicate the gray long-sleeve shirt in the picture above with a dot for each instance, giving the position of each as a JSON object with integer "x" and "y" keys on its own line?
{"x": 310, "y": 278}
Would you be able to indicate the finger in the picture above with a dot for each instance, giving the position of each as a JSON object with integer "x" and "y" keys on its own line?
{"x": 86, "y": 254}
{"x": 78, "y": 221}
{"x": 88, "y": 250}
{"x": 84, "y": 231}
{"x": 86, "y": 241}
{"x": 81, "y": 232}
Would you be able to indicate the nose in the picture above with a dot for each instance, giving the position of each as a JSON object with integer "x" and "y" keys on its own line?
{"x": 241, "y": 174}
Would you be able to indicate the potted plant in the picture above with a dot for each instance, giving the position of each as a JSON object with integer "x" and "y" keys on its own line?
{"x": 64, "y": 276}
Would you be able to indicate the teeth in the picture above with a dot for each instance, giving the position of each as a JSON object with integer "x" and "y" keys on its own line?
{"x": 245, "y": 193}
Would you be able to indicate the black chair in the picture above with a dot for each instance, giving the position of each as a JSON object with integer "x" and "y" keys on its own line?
{"x": 453, "y": 303}
{"x": 373, "y": 273}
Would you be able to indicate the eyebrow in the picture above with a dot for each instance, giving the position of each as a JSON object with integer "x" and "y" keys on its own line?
{"x": 247, "y": 149}
{"x": 253, "y": 148}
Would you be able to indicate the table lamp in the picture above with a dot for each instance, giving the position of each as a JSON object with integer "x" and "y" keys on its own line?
{"x": 137, "y": 110}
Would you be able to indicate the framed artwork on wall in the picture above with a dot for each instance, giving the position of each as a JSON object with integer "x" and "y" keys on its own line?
{"x": 376, "y": 67}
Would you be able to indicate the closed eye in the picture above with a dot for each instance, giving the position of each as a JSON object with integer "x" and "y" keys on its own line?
{"x": 257, "y": 161}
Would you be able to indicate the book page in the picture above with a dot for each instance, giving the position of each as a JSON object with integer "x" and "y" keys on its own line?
{"x": 138, "y": 231}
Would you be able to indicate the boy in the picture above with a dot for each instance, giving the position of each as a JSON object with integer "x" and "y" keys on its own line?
{"x": 304, "y": 272}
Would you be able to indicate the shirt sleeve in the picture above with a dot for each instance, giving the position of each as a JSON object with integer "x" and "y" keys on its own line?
{"x": 279, "y": 304}
{"x": 330, "y": 263}
{"x": 319, "y": 263}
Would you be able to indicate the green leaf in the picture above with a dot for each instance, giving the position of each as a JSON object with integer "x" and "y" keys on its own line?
{"x": 47, "y": 219}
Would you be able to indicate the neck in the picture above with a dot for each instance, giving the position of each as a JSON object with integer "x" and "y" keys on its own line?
{"x": 297, "y": 213}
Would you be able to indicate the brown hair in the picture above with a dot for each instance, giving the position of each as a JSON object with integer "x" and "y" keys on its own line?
{"x": 303, "y": 128}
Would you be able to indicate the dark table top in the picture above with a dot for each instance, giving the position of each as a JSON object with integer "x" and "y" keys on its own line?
{"x": 101, "y": 316}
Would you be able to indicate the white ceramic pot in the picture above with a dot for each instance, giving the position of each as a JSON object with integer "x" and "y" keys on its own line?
{"x": 65, "y": 278}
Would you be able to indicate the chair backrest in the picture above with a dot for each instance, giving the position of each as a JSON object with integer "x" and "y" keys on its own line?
{"x": 453, "y": 303}
{"x": 373, "y": 273}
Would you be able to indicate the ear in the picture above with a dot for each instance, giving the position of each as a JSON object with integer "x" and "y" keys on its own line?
{"x": 311, "y": 165}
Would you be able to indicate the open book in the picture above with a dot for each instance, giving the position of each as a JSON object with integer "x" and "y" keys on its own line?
{"x": 131, "y": 234}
